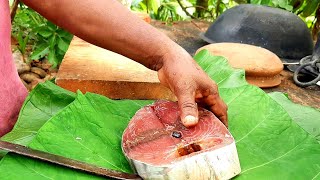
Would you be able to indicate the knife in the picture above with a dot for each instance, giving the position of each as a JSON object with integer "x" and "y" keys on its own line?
{"x": 63, "y": 161}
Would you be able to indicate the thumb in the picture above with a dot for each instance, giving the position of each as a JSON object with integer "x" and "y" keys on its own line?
{"x": 188, "y": 109}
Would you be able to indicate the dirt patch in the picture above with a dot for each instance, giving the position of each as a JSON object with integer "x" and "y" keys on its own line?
{"x": 309, "y": 96}
{"x": 34, "y": 72}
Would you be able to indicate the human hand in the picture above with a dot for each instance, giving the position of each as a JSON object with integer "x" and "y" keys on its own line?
{"x": 141, "y": 42}
{"x": 192, "y": 86}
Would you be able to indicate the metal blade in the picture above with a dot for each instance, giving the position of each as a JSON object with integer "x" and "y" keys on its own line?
{"x": 63, "y": 161}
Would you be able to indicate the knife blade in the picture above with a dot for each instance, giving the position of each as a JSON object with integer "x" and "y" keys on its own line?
{"x": 67, "y": 162}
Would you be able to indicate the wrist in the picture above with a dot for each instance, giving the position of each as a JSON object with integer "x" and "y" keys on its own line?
{"x": 169, "y": 54}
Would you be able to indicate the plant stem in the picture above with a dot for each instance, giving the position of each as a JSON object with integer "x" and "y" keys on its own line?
{"x": 201, "y": 11}
{"x": 316, "y": 26}
{"x": 217, "y": 8}
{"x": 200, "y": 7}
{"x": 14, "y": 9}
{"x": 185, "y": 10}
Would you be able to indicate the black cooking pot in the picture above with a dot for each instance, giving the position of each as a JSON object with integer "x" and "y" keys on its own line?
{"x": 279, "y": 31}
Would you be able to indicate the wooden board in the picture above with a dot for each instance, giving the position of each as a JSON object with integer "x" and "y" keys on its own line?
{"x": 92, "y": 69}
{"x": 185, "y": 34}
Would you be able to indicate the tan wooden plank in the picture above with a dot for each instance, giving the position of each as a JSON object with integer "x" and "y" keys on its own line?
{"x": 92, "y": 69}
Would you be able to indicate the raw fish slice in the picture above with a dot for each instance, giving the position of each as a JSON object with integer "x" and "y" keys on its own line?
{"x": 160, "y": 147}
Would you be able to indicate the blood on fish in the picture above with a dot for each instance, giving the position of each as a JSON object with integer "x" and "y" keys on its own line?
{"x": 188, "y": 149}
{"x": 174, "y": 142}
{"x": 182, "y": 151}
{"x": 196, "y": 147}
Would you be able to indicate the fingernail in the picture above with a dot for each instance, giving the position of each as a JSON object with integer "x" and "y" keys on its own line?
{"x": 190, "y": 120}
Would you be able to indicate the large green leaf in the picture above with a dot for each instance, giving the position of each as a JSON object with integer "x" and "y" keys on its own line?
{"x": 18, "y": 167}
{"x": 42, "y": 103}
{"x": 89, "y": 130}
{"x": 92, "y": 124}
{"x": 218, "y": 69}
{"x": 270, "y": 144}
{"x": 306, "y": 117}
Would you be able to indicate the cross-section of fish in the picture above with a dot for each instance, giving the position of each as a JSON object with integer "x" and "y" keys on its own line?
{"x": 158, "y": 146}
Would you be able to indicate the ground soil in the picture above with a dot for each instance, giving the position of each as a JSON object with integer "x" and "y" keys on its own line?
{"x": 31, "y": 72}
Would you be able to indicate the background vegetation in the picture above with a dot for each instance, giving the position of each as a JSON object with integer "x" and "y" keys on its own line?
{"x": 46, "y": 40}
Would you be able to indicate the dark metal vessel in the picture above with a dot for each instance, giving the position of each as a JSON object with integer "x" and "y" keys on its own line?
{"x": 279, "y": 31}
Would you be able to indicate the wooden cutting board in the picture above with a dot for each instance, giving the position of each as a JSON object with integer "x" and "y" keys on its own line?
{"x": 92, "y": 69}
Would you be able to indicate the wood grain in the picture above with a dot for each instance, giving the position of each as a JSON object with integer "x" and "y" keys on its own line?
{"x": 92, "y": 69}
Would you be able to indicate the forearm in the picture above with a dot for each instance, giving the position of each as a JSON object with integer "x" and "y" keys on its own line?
{"x": 108, "y": 24}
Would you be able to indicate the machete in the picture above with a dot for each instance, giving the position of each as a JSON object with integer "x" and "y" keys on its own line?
{"x": 63, "y": 161}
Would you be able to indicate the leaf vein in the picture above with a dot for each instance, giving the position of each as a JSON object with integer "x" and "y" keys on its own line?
{"x": 316, "y": 176}
{"x": 283, "y": 155}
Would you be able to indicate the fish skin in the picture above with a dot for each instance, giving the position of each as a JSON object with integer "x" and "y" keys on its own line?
{"x": 218, "y": 161}
{"x": 220, "y": 164}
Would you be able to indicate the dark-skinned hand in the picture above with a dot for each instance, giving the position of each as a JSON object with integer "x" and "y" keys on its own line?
{"x": 102, "y": 24}
{"x": 192, "y": 86}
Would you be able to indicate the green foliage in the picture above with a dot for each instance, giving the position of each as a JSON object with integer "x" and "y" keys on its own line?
{"x": 30, "y": 169}
{"x": 164, "y": 10}
{"x": 270, "y": 144}
{"x": 284, "y": 4}
{"x": 177, "y": 10}
{"x": 24, "y": 23}
{"x": 171, "y": 11}
{"x": 53, "y": 41}
{"x": 47, "y": 39}
{"x": 22, "y": 42}
{"x": 306, "y": 7}
{"x": 42, "y": 103}
{"x": 309, "y": 7}
{"x": 97, "y": 139}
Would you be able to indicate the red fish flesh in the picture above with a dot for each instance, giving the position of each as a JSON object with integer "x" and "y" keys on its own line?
{"x": 158, "y": 146}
